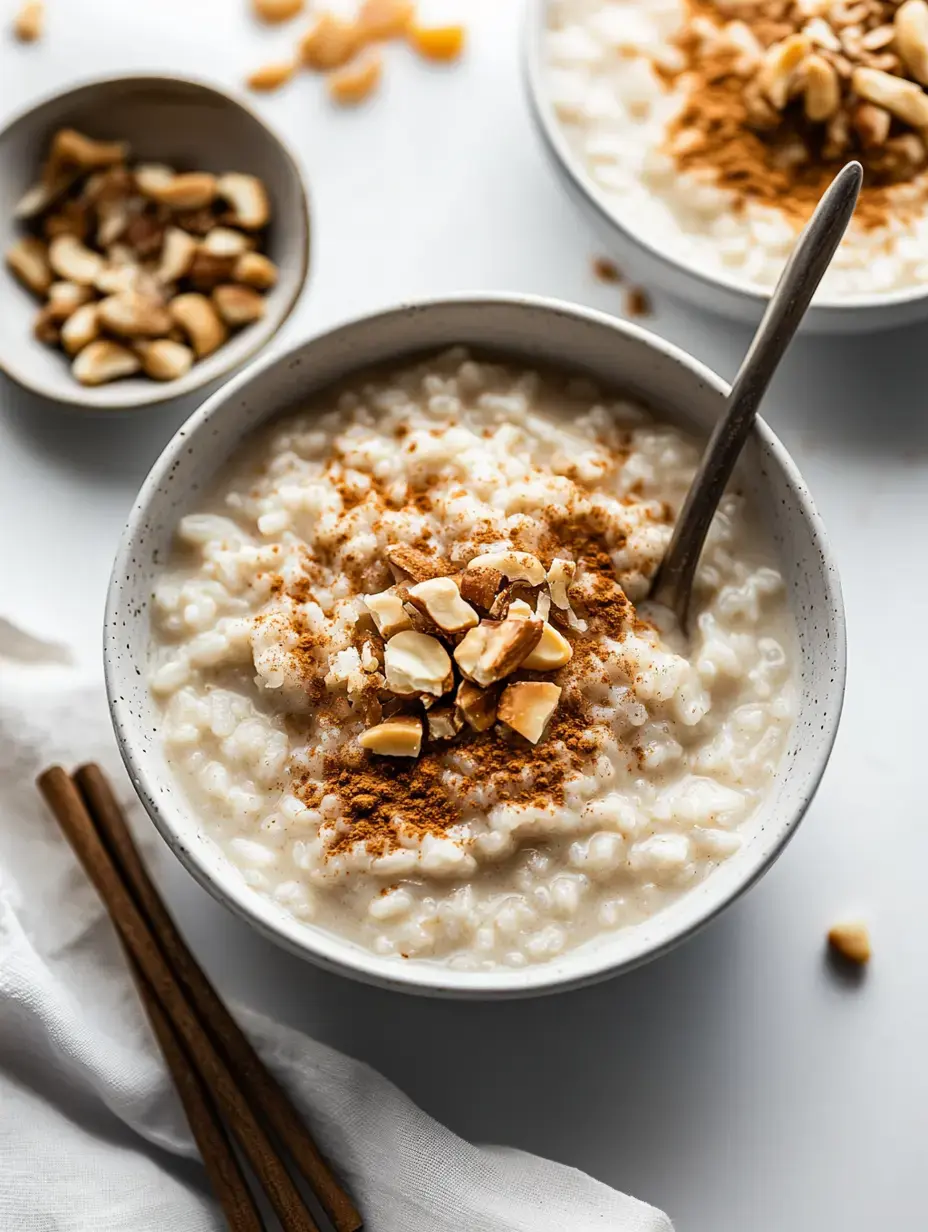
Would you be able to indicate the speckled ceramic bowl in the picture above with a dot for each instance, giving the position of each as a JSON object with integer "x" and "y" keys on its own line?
{"x": 191, "y": 126}
{"x": 618, "y": 355}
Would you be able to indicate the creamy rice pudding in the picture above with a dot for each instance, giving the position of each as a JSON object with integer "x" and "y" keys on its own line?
{"x": 411, "y": 683}
{"x": 713, "y": 126}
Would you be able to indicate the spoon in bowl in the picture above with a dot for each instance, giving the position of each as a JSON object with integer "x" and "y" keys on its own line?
{"x": 673, "y": 583}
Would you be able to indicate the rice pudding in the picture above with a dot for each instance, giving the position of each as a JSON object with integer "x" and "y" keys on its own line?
{"x": 711, "y": 127}
{"x": 412, "y": 686}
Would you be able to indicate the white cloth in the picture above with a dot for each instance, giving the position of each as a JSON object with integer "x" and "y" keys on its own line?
{"x": 91, "y": 1134}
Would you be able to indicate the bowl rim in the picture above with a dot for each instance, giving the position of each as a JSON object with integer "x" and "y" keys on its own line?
{"x": 558, "y": 148}
{"x": 83, "y": 398}
{"x": 326, "y": 949}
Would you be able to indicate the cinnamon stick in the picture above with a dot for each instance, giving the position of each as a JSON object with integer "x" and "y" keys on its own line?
{"x": 259, "y": 1085}
{"x": 221, "y": 1164}
{"x": 66, "y": 803}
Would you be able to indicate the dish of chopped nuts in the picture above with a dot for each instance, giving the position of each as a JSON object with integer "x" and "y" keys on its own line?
{"x": 140, "y": 268}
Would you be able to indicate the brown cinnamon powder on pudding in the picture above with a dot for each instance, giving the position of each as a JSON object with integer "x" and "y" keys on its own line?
{"x": 729, "y": 130}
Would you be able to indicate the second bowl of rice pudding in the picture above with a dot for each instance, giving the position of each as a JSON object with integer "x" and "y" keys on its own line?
{"x": 382, "y": 664}
{"x": 702, "y": 132}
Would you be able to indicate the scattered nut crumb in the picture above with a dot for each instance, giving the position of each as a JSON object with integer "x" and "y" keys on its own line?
{"x": 606, "y": 270}
{"x": 276, "y": 11}
{"x": 29, "y": 22}
{"x": 637, "y": 302}
{"x": 329, "y": 42}
{"x": 851, "y": 941}
{"x": 437, "y": 42}
{"x": 355, "y": 81}
{"x": 385, "y": 19}
{"x": 271, "y": 76}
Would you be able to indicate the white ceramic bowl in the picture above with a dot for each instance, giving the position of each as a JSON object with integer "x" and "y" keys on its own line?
{"x": 192, "y": 126}
{"x": 542, "y": 332}
{"x": 726, "y": 296}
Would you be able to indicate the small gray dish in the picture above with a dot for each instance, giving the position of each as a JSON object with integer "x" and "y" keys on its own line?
{"x": 191, "y": 126}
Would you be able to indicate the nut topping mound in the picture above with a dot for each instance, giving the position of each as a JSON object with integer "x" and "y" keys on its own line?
{"x": 143, "y": 269}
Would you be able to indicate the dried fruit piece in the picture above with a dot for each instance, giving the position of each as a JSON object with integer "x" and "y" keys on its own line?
{"x": 200, "y": 321}
{"x": 416, "y": 564}
{"x": 496, "y": 648}
{"x": 903, "y": 99}
{"x": 177, "y": 254}
{"x": 480, "y": 586}
{"x": 388, "y": 613}
{"x": 73, "y": 261}
{"x": 104, "y": 361}
{"x": 444, "y": 723}
{"x": 80, "y": 329}
{"x": 247, "y": 198}
{"x": 355, "y": 81}
{"x": 552, "y": 652}
{"x": 514, "y": 566}
{"x": 238, "y": 305}
{"x": 29, "y": 22}
{"x": 477, "y": 706}
{"x": 133, "y": 315}
{"x": 28, "y": 259}
{"x": 397, "y": 737}
{"x": 271, "y": 76}
{"x": 385, "y": 19}
{"x": 329, "y": 43}
{"x": 910, "y": 26}
{"x": 440, "y": 600}
{"x": 527, "y": 706}
{"x": 71, "y": 148}
{"x": 822, "y": 91}
{"x": 275, "y": 11}
{"x": 437, "y": 42}
{"x": 255, "y": 270}
{"x": 164, "y": 359}
{"x": 851, "y": 940}
{"x": 191, "y": 190}
{"x": 417, "y": 663}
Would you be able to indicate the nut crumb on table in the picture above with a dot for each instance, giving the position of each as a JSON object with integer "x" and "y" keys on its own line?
{"x": 606, "y": 270}
{"x": 29, "y": 22}
{"x": 638, "y": 302}
{"x": 851, "y": 941}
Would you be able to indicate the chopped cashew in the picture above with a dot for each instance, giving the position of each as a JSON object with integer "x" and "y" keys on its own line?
{"x": 417, "y": 663}
{"x": 440, "y": 600}
{"x": 437, "y": 42}
{"x": 271, "y": 76}
{"x": 200, "y": 321}
{"x": 329, "y": 43}
{"x": 104, "y": 361}
{"x": 73, "y": 261}
{"x": 851, "y": 940}
{"x": 80, "y": 329}
{"x": 238, "y": 305}
{"x": 247, "y": 198}
{"x": 495, "y": 648}
{"x": 163, "y": 359}
{"x": 397, "y": 737}
{"x": 527, "y": 706}
{"x": 514, "y": 566}
{"x": 28, "y": 259}
{"x": 477, "y": 706}
{"x": 255, "y": 270}
{"x": 388, "y": 613}
{"x": 353, "y": 82}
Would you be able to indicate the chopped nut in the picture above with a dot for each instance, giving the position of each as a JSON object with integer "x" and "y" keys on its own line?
{"x": 208, "y": 271}
{"x": 477, "y": 706}
{"x": 29, "y": 22}
{"x": 781, "y": 62}
{"x": 437, "y": 42}
{"x": 164, "y": 360}
{"x": 480, "y": 586}
{"x": 73, "y": 261}
{"x": 133, "y": 315}
{"x": 851, "y": 941}
{"x": 200, "y": 321}
{"x": 190, "y": 190}
{"x": 551, "y": 653}
{"x": 417, "y": 663}
{"x": 39, "y": 197}
{"x": 80, "y": 329}
{"x": 46, "y": 329}
{"x": 515, "y": 566}
{"x": 903, "y": 99}
{"x": 144, "y": 234}
{"x": 385, "y": 19}
{"x": 271, "y": 76}
{"x": 28, "y": 259}
{"x": 69, "y": 147}
{"x": 388, "y": 613}
{"x": 329, "y": 43}
{"x": 416, "y": 564}
{"x": 153, "y": 177}
{"x": 397, "y": 737}
{"x": 352, "y": 83}
{"x": 177, "y": 254}
{"x": 911, "y": 36}
{"x": 560, "y": 576}
{"x": 71, "y": 219}
{"x": 495, "y": 648}
{"x": 275, "y": 11}
{"x": 104, "y": 361}
{"x": 64, "y": 298}
{"x": 255, "y": 270}
{"x": 444, "y": 723}
{"x": 224, "y": 242}
{"x": 440, "y": 599}
{"x": 822, "y": 93}
{"x": 247, "y": 199}
{"x": 115, "y": 279}
{"x": 527, "y": 706}
{"x": 872, "y": 124}
{"x": 238, "y": 305}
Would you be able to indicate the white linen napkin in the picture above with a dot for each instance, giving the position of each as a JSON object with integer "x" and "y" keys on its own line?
{"x": 91, "y": 1133}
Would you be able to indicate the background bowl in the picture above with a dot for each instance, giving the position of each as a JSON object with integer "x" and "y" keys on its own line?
{"x": 656, "y": 268}
{"x": 539, "y": 331}
{"x": 189, "y": 125}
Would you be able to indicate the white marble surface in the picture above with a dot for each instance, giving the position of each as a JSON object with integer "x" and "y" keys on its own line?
{"x": 736, "y": 1083}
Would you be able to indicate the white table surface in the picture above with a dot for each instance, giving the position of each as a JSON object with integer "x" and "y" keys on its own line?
{"x": 736, "y": 1083}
